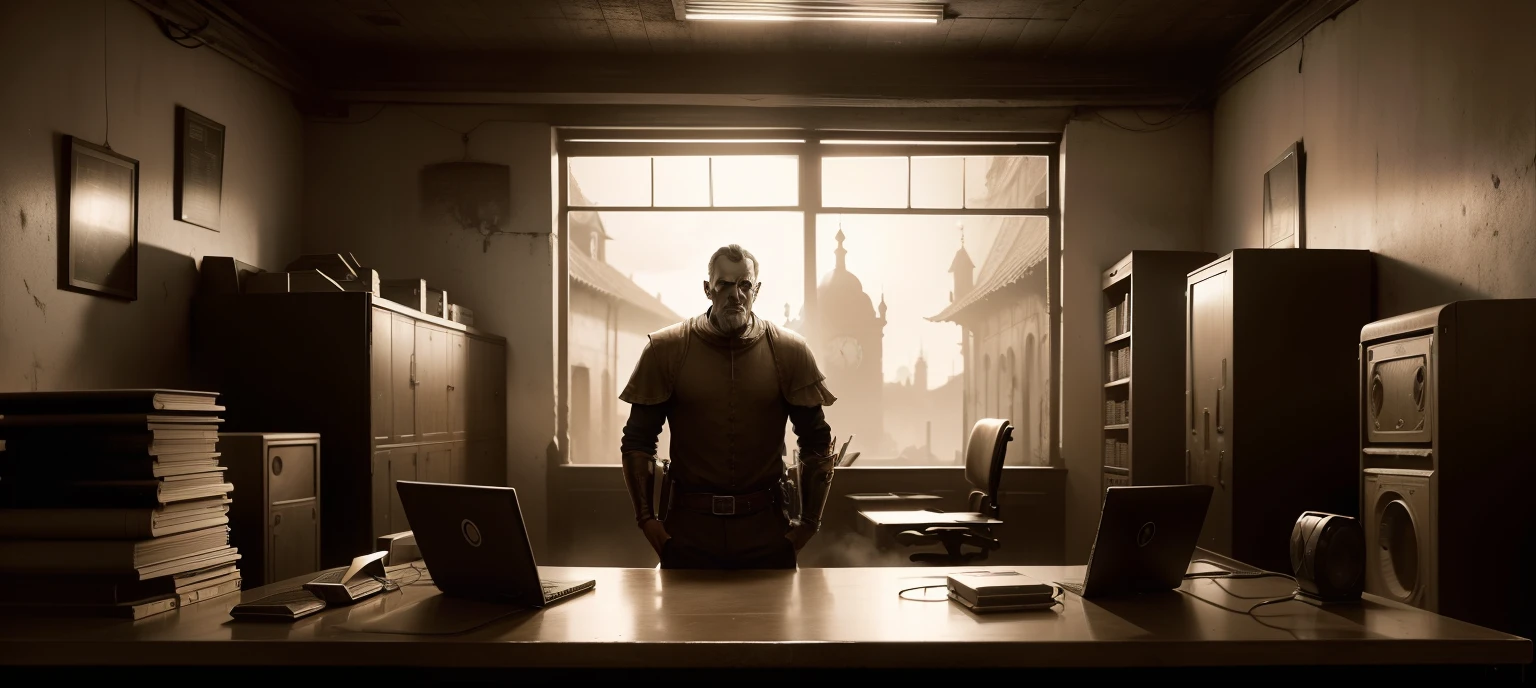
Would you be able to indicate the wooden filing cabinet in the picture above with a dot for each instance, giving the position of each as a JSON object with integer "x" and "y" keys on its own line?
{"x": 395, "y": 394}
{"x": 274, "y": 518}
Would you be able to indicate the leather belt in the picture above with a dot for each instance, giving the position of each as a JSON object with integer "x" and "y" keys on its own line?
{"x": 725, "y": 505}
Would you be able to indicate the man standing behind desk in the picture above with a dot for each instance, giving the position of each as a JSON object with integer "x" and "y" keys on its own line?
{"x": 726, "y": 381}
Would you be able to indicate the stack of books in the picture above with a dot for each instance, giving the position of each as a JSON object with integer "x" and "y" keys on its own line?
{"x": 112, "y": 502}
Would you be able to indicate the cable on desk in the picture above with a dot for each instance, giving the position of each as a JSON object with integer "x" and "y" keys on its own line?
{"x": 1249, "y": 611}
{"x": 903, "y": 594}
{"x": 1225, "y": 572}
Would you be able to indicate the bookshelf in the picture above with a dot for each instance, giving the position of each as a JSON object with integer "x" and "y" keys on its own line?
{"x": 1143, "y": 302}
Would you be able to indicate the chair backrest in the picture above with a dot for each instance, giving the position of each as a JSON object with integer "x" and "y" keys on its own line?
{"x": 984, "y": 454}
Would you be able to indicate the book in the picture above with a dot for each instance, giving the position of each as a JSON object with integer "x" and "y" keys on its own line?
{"x": 108, "y": 494}
{"x": 111, "y": 589}
{"x": 88, "y": 446}
{"x": 222, "y": 555}
{"x": 285, "y": 605}
{"x": 142, "y": 468}
{"x": 998, "y": 591}
{"x": 106, "y": 556}
{"x": 106, "y": 421}
{"x": 210, "y": 590}
{"x": 104, "y": 524}
{"x": 109, "y": 401}
{"x": 136, "y": 609}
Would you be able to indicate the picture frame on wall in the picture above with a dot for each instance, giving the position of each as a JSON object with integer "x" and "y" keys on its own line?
{"x": 199, "y": 169}
{"x": 99, "y": 221}
{"x": 1284, "y": 206}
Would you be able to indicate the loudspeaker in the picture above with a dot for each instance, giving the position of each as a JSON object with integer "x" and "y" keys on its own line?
{"x": 1328, "y": 557}
{"x": 1447, "y": 464}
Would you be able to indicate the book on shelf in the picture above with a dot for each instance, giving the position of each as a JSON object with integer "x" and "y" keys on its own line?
{"x": 108, "y": 556}
{"x": 109, "y": 401}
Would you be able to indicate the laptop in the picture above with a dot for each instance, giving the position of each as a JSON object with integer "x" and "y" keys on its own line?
{"x": 1145, "y": 540}
{"x": 475, "y": 545}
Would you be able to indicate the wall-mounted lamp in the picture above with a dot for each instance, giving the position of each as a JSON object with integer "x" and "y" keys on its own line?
{"x": 814, "y": 10}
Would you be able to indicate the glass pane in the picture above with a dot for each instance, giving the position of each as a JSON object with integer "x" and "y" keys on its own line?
{"x": 938, "y": 182}
{"x": 756, "y": 180}
{"x": 636, "y": 272}
{"x": 622, "y": 181}
{"x": 919, "y": 329}
{"x": 682, "y": 181}
{"x": 1006, "y": 181}
{"x": 864, "y": 182}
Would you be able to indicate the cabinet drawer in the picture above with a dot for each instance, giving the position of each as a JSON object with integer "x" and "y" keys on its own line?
{"x": 291, "y": 472}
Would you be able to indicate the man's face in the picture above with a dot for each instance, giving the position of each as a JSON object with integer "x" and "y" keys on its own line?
{"x": 732, "y": 289}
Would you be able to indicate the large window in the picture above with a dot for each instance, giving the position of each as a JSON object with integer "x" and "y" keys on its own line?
{"x": 920, "y": 270}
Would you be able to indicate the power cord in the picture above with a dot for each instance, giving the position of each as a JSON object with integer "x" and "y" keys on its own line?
{"x": 1225, "y": 572}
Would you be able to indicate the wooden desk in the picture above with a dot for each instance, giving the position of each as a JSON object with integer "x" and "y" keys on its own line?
{"x": 812, "y": 618}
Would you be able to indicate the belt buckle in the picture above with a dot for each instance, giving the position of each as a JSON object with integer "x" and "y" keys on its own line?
{"x": 722, "y": 505}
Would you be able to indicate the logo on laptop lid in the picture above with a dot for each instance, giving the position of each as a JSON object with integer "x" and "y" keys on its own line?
{"x": 1145, "y": 535}
{"x": 471, "y": 532}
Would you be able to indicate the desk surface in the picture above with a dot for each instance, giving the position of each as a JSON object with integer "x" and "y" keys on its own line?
{"x": 844, "y": 617}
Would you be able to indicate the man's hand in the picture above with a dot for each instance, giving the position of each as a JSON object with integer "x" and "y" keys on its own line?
{"x": 799, "y": 534}
{"x": 656, "y": 533}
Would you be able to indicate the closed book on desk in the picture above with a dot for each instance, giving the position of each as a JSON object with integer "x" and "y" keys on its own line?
{"x": 104, "y": 589}
{"x": 136, "y": 609}
{"x": 983, "y": 588}
{"x": 111, "y": 493}
{"x": 103, "y": 422}
{"x": 109, "y": 401}
{"x": 108, "y": 524}
{"x": 142, "y": 468}
{"x": 281, "y": 606}
{"x": 86, "y": 445}
{"x": 106, "y": 556}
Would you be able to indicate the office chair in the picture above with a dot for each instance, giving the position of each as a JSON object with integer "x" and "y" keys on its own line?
{"x": 984, "y": 455}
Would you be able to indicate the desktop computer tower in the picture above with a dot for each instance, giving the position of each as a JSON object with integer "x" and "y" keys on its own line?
{"x": 1447, "y": 460}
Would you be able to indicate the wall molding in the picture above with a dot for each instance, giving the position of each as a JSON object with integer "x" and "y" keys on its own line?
{"x": 216, "y": 26}
{"x": 1279, "y": 31}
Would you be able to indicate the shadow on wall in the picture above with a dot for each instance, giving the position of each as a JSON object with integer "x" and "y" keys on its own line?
{"x": 1403, "y": 287}
{"x": 142, "y": 343}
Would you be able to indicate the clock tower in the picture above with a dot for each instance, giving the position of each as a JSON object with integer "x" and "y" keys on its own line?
{"x": 850, "y": 335}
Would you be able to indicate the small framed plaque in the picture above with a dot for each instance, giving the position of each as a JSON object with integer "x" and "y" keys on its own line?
{"x": 1284, "y": 206}
{"x": 199, "y": 168}
{"x": 98, "y": 223}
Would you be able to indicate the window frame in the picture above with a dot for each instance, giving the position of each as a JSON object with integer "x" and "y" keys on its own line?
{"x": 809, "y": 146}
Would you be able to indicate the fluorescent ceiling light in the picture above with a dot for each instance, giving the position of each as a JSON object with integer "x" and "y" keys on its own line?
{"x": 814, "y": 10}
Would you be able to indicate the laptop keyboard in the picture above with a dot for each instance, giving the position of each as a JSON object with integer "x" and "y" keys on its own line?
{"x": 1073, "y": 586}
{"x": 553, "y": 591}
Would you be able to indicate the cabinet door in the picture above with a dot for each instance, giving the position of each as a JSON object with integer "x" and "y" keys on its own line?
{"x": 381, "y": 404}
{"x": 436, "y": 463}
{"x": 1210, "y": 402}
{"x": 295, "y": 546}
{"x": 458, "y": 464}
{"x": 458, "y": 387}
{"x": 402, "y": 466}
{"x": 432, "y": 383}
{"x": 383, "y": 488}
{"x": 479, "y": 383}
{"x": 403, "y": 377}
{"x": 497, "y": 382}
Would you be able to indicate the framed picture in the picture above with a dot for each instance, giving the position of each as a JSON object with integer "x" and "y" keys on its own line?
{"x": 199, "y": 169}
{"x": 99, "y": 222}
{"x": 1284, "y": 210}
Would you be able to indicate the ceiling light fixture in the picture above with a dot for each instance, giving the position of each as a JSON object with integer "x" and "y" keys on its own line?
{"x": 814, "y": 10}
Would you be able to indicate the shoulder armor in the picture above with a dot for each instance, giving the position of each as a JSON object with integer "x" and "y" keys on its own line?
{"x": 656, "y": 371}
{"x": 800, "y": 381}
